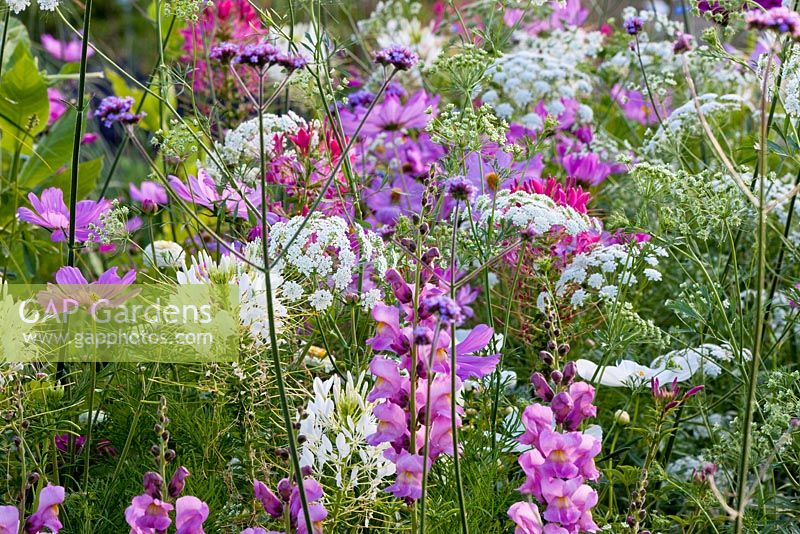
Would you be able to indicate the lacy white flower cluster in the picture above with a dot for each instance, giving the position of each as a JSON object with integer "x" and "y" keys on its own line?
{"x": 253, "y": 312}
{"x": 239, "y": 152}
{"x": 543, "y": 69}
{"x": 531, "y": 211}
{"x": 335, "y": 426}
{"x": 18, "y": 6}
{"x": 601, "y": 271}
{"x": 328, "y": 257}
{"x": 658, "y": 56}
{"x": 684, "y": 122}
{"x": 791, "y": 83}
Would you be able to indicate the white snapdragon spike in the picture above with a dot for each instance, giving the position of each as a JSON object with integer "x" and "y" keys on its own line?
{"x": 543, "y": 68}
{"x": 335, "y": 425}
{"x": 239, "y": 152}
{"x": 531, "y": 211}
{"x": 253, "y": 311}
{"x": 680, "y": 365}
{"x": 164, "y": 255}
{"x": 327, "y": 256}
{"x": 684, "y": 121}
{"x": 600, "y": 272}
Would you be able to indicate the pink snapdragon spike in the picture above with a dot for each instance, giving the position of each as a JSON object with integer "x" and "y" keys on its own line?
{"x": 52, "y": 213}
{"x": 190, "y": 514}
{"x": 287, "y": 499}
{"x": 559, "y": 463}
{"x": 146, "y": 515}
{"x": 395, "y": 334}
{"x": 46, "y": 515}
{"x": 9, "y": 520}
{"x": 68, "y": 51}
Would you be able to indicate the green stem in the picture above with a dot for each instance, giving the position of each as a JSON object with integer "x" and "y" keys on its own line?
{"x": 462, "y": 510}
{"x": 76, "y": 140}
{"x": 6, "y": 20}
{"x": 273, "y": 338}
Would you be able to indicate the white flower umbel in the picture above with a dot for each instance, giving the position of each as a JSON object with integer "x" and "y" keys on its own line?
{"x": 327, "y": 257}
{"x": 532, "y": 211}
{"x": 601, "y": 271}
{"x": 543, "y": 68}
{"x": 335, "y": 425}
{"x": 239, "y": 152}
{"x": 18, "y": 6}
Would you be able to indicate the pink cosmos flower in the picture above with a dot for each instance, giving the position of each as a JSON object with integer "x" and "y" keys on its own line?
{"x": 72, "y": 289}
{"x": 190, "y": 514}
{"x": 57, "y": 105}
{"x": 46, "y": 515}
{"x": 408, "y": 483}
{"x": 149, "y": 194}
{"x": 636, "y": 106}
{"x": 64, "y": 50}
{"x": 51, "y": 212}
{"x": 391, "y": 116}
{"x": 203, "y": 191}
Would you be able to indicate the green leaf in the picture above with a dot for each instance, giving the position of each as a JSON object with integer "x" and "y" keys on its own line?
{"x": 151, "y": 103}
{"x": 24, "y": 107}
{"x": 51, "y": 153}
{"x": 17, "y": 33}
{"x": 88, "y": 173}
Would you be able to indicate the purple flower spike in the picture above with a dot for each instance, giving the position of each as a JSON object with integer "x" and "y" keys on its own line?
{"x": 259, "y": 55}
{"x": 113, "y": 109}
{"x": 633, "y": 25}
{"x": 399, "y": 57}
{"x": 224, "y": 52}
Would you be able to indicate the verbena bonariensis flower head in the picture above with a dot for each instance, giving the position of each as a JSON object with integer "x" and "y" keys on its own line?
{"x": 633, "y": 25}
{"x": 224, "y": 52}
{"x": 113, "y": 109}
{"x": 259, "y": 55}
{"x": 398, "y": 56}
{"x": 461, "y": 189}
{"x": 778, "y": 19}
{"x": 51, "y": 212}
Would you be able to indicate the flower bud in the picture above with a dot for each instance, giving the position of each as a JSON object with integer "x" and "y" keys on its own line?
{"x": 285, "y": 489}
{"x": 570, "y": 370}
{"x": 622, "y": 417}
{"x": 541, "y": 387}
{"x": 152, "y": 484}
{"x": 178, "y": 481}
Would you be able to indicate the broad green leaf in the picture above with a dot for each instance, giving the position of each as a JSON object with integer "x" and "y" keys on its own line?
{"x": 151, "y": 103}
{"x": 51, "y": 153}
{"x": 17, "y": 33}
{"x": 24, "y": 107}
{"x": 88, "y": 172}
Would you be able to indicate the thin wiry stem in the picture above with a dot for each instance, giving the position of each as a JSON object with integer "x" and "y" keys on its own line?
{"x": 76, "y": 140}
{"x": 761, "y": 253}
{"x": 273, "y": 338}
{"x": 453, "y": 393}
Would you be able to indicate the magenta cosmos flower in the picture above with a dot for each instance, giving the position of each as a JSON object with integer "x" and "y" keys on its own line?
{"x": 51, "y": 212}
{"x": 149, "y": 194}
{"x": 202, "y": 191}
{"x": 64, "y": 50}
{"x": 72, "y": 290}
